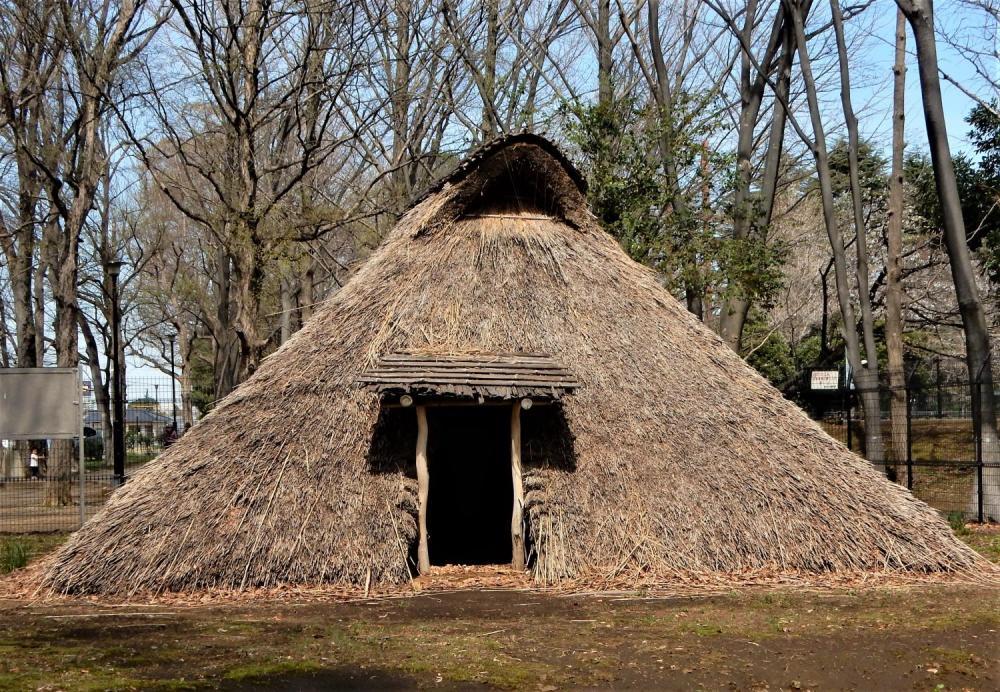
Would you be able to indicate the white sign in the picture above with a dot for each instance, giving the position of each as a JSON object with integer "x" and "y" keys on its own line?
{"x": 39, "y": 403}
{"x": 825, "y": 379}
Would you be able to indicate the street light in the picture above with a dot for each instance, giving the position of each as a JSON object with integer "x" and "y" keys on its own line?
{"x": 113, "y": 269}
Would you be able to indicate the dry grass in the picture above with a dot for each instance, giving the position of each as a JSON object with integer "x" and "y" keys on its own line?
{"x": 682, "y": 460}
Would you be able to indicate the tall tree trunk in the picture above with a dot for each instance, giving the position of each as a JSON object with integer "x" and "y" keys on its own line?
{"x": 40, "y": 273}
{"x": 745, "y": 215}
{"x": 490, "y": 125}
{"x": 605, "y": 90}
{"x": 248, "y": 275}
{"x": 307, "y": 289}
{"x": 662, "y": 95}
{"x": 63, "y": 271}
{"x": 6, "y": 357}
{"x": 286, "y": 320}
{"x": 185, "y": 344}
{"x": 400, "y": 107}
{"x": 31, "y": 50}
{"x": 226, "y": 360}
{"x": 894, "y": 252}
{"x": 101, "y": 394}
{"x": 776, "y": 133}
{"x": 869, "y": 382}
{"x": 20, "y": 250}
{"x": 867, "y": 385}
{"x": 824, "y": 330}
{"x": 920, "y": 14}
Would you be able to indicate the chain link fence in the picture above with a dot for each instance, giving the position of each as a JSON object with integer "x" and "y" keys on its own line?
{"x": 931, "y": 439}
{"x": 35, "y": 497}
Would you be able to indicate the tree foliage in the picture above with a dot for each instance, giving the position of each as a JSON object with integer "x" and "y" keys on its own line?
{"x": 688, "y": 241}
{"x": 978, "y": 179}
{"x": 979, "y": 187}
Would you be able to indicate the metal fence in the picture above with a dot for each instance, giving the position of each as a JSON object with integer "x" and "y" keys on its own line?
{"x": 934, "y": 446}
{"x": 936, "y": 449}
{"x": 47, "y": 493}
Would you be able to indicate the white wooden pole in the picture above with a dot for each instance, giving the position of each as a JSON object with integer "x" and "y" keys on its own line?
{"x": 423, "y": 486}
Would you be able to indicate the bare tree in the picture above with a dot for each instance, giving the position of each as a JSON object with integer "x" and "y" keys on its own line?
{"x": 920, "y": 15}
{"x": 894, "y": 251}
{"x": 682, "y": 73}
{"x": 276, "y": 79}
{"x": 605, "y": 40}
{"x": 98, "y": 40}
{"x": 30, "y": 59}
{"x": 752, "y": 214}
{"x": 865, "y": 375}
{"x": 503, "y": 48}
{"x": 415, "y": 71}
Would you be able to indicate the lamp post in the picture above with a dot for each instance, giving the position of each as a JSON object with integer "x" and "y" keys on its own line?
{"x": 173, "y": 381}
{"x": 113, "y": 269}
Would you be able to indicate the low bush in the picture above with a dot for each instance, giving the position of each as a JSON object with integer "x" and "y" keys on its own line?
{"x": 13, "y": 555}
{"x": 957, "y": 522}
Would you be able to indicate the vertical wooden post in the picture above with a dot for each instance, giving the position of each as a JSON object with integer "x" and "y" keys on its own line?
{"x": 423, "y": 486}
{"x": 82, "y": 449}
{"x": 517, "y": 517}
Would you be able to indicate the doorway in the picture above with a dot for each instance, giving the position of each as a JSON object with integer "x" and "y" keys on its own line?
{"x": 470, "y": 494}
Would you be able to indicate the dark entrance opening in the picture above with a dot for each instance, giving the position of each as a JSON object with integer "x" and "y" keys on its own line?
{"x": 471, "y": 494}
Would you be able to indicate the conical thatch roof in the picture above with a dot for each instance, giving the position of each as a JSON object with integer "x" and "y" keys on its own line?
{"x": 678, "y": 455}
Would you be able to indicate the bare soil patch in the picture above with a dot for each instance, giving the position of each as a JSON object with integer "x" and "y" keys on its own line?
{"x": 928, "y": 637}
{"x": 481, "y": 628}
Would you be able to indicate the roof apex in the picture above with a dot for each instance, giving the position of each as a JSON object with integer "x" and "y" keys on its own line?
{"x": 476, "y": 157}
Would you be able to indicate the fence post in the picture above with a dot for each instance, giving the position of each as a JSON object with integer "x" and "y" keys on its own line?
{"x": 850, "y": 406}
{"x": 909, "y": 435}
{"x": 940, "y": 401}
{"x": 82, "y": 448}
{"x": 977, "y": 427}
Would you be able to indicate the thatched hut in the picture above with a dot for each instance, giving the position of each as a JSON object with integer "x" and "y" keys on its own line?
{"x": 501, "y": 383}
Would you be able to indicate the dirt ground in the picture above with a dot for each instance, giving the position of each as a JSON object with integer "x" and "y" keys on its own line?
{"x": 926, "y": 637}
{"x": 923, "y": 638}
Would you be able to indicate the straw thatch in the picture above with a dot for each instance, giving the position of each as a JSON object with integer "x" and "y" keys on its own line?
{"x": 674, "y": 455}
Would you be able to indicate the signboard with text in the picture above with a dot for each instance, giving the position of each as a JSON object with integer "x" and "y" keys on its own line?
{"x": 825, "y": 380}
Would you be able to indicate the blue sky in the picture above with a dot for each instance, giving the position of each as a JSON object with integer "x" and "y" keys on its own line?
{"x": 872, "y": 36}
{"x": 873, "y": 63}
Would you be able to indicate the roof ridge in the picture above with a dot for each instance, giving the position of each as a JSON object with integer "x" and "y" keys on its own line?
{"x": 476, "y": 156}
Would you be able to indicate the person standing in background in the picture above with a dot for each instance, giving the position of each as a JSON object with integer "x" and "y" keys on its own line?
{"x": 34, "y": 464}
{"x": 169, "y": 435}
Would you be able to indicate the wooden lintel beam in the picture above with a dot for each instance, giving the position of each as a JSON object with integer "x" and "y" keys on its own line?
{"x": 437, "y": 403}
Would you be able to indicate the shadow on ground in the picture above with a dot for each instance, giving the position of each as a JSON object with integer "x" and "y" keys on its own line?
{"x": 929, "y": 637}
